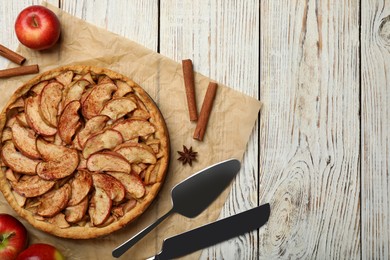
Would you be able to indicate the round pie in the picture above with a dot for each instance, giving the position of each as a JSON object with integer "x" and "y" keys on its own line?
{"x": 84, "y": 151}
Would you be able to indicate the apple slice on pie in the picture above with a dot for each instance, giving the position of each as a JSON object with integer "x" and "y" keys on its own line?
{"x": 25, "y": 140}
{"x": 51, "y": 97}
{"x": 35, "y": 119}
{"x": 108, "y": 161}
{"x": 17, "y": 161}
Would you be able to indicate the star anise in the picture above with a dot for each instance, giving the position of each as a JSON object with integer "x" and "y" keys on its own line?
{"x": 187, "y": 155}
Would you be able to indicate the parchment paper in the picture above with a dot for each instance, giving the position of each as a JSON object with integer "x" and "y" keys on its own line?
{"x": 232, "y": 119}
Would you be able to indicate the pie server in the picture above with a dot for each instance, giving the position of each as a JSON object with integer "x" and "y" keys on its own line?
{"x": 191, "y": 196}
{"x": 213, "y": 233}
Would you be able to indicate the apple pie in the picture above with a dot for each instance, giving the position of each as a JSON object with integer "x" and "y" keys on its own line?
{"x": 84, "y": 151}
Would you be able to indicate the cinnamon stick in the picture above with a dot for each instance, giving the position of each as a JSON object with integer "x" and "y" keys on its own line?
{"x": 205, "y": 111}
{"x": 18, "y": 71}
{"x": 11, "y": 55}
{"x": 188, "y": 73}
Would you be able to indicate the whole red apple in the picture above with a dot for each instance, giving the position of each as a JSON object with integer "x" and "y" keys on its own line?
{"x": 13, "y": 237}
{"x": 40, "y": 251}
{"x": 37, "y": 27}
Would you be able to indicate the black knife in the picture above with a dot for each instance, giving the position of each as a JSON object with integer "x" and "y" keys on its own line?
{"x": 213, "y": 233}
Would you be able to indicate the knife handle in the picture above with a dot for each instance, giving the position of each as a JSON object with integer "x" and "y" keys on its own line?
{"x": 120, "y": 250}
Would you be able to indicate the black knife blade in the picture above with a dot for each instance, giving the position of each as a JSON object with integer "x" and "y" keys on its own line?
{"x": 213, "y": 233}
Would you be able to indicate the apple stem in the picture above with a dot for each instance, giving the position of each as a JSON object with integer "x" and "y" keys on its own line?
{"x": 4, "y": 239}
{"x": 35, "y": 22}
{"x": 6, "y": 236}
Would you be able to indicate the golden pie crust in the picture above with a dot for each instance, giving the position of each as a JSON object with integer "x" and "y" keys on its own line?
{"x": 84, "y": 151}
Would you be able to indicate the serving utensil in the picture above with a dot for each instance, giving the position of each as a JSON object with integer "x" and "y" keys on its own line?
{"x": 213, "y": 233}
{"x": 191, "y": 196}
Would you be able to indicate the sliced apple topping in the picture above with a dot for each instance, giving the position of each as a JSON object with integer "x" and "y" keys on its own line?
{"x": 17, "y": 161}
{"x": 82, "y": 150}
{"x": 61, "y": 167}
{"x": 21, "y": 119}
{"x": 77, "y": 212}
{"x": 103, "y": 79}
{"x": 123, "y": 89}
{"x": 99, "y": 207}
{"x": 65, "y": 78}
{"x": 69, "y": 121}
{"x": 132, "y": 128}
{"x": 154, "y": 144}
{"x": 95, "y": 101}
{"x": 37, "y": 89}
{"x": 107, "y": 139}
{"x": 88, "y": 77}
{"x": 34, "y": 118}
{"x": 60, "y": 161}
{"x": 25, "y": 140}
{"x": 74, "y": 91}
{"x": 32, "y": 186}
{"x": 21, "y": 200}
{"x": 59, "y": 221}
{"x": 11, "y": 175}
{"x": 19, "y": 103}
{"x": 114, "y": 188}
{"x": 7, "y": 135}
{"x": 86, "y": 94}
{"x": 140, "y": 114}
{"x": 94, "y": 125}
{"x": 108, "y": 161}
{"x": 151, "y": 174}
{"x": 82, "y": 164}
{"x": 137, "y": 153}
{"x": 117, "y": 108}
{"x": 132, "y": 183}
{"x": 50, "y": 151}
{"x": 50, "y": 98}
{"x": 54, "y": 201}
{"x": 11, "y": 121}
{"x": 122, "y": 209}
{"x": 81, "y": 185}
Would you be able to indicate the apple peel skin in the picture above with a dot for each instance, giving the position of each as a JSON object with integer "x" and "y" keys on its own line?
{"x": 37, "y": 27}
{"x": 13, "y": 237}
{"x": 41, "y": 251}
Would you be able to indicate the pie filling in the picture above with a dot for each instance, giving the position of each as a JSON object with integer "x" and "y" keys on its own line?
{"x": 82, "y": 147}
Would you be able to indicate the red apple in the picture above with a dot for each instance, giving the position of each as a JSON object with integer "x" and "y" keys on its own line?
{"x": 37, "y": 27}
{"x": 13, "y": 237}
{"x": 40, "y": 252}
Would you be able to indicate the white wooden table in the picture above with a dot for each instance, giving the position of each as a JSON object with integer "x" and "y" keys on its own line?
{"x": 320, "y": 151}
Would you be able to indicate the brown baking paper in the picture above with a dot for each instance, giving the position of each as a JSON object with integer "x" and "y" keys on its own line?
{"x": 232, "y": 119}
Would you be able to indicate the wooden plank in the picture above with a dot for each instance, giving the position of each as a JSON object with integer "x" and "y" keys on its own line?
{"x": 9, "y": 10}
{"x": 134, "y": 19}
{"x": 375, "y": 42}
{"x": 309, "y": 131}
{"x": 222, "y": 39}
